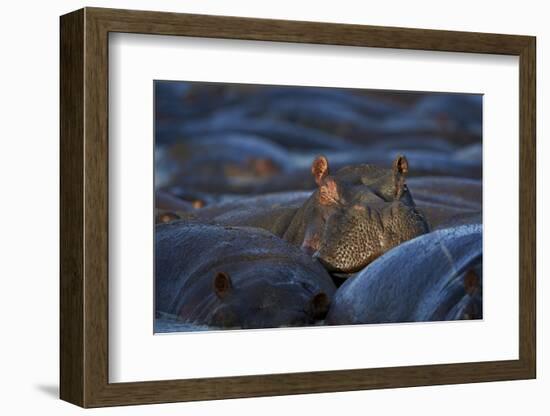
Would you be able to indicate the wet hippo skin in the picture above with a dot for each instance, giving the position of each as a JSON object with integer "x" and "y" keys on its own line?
{"x": 441, "y": 281}
{"x": 352, "y": 217}
{"x": 236, "y": 277}
{"x": 248, "y": 173}
{"x": 447, "y": 202}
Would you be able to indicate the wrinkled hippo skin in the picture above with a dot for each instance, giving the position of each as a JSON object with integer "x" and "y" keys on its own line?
{"x": 448, "y": 202}
{"x": 356, "y": 215}
{"x": 268, "y": 173}
{"x": 220, "y": 163}
{"x": 440, "y": 280}
{"x": 236, "y": 277}
{"x": 353, "y": 216}
{"x": 273, "y": 212}
{"x": 443, "y": 201}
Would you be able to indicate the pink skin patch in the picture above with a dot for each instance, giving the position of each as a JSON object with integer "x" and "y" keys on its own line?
{"x": 319, "y": 169}
{"x": 328, "y": 192}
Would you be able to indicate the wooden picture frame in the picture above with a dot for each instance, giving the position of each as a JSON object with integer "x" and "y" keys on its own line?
{"x": 84, "y": 207}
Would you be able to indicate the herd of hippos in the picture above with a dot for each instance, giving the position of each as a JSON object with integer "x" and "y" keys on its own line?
{"x": 279, "y": 207}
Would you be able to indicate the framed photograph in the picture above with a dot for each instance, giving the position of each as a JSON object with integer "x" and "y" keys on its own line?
{"x": 254, "y": 207}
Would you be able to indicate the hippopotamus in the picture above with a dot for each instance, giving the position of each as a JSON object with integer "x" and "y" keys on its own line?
{"x": 447, "y": 201}
{"x": 260, "y": 175}
{"x": 226, "y": 163}
{"x": 170, "y": 202}
{"x": 236, "y": 277}
{"x": 360, "y": 101}
{"x": 279, "y": 113}
{"x": 434, "y": 277}
{"x": 328, "y": 114}
{"x": 184, "y": 101}
{"x": 353, "y": 216}
{"x": 458, "y": 113}
{"x": 426, "y": 162}
{"x": 458, "y": 117}
{"x": 443, "y": 201}
{"x": 168, "y": 205}
{"x": 236, "y": 121}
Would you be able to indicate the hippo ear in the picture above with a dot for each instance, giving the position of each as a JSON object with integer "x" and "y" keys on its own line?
{"x": 319, "y": 169}
{"x": 328, "y": 192}
{"x": 222, "y": 284}
{"x": 319, "y": 305}
{"x": 167, "y": 216}
{"x": 471, "y": 282}
{"x": 400, "y": 170}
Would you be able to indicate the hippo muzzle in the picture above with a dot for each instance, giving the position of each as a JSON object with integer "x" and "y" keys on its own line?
{"x": 353, "y": 239}
{"x": 357, "y": 215}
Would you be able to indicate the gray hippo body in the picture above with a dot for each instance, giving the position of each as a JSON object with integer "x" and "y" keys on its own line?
{"x": 440, "y": 280}
{"x": 229, "y": 163}
{"x": 272, "y": 212}
{"x": 351, "y": 218}
{"x": 448, "y": 202}
{"x": 228, "y": 167}
{"x": 354, "y": 216}
{"x": 232, "y": 277}
{"x": 235, "y": 121}
{"x": 443, "y": 201}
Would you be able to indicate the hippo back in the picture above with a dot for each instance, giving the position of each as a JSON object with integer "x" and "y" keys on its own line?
{"x": 425, "y": 279}
{"x": 265, "y": 282}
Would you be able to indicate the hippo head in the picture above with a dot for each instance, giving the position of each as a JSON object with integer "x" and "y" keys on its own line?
{"x": 265, "y": 303}
{"x": 358, "y": 214}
